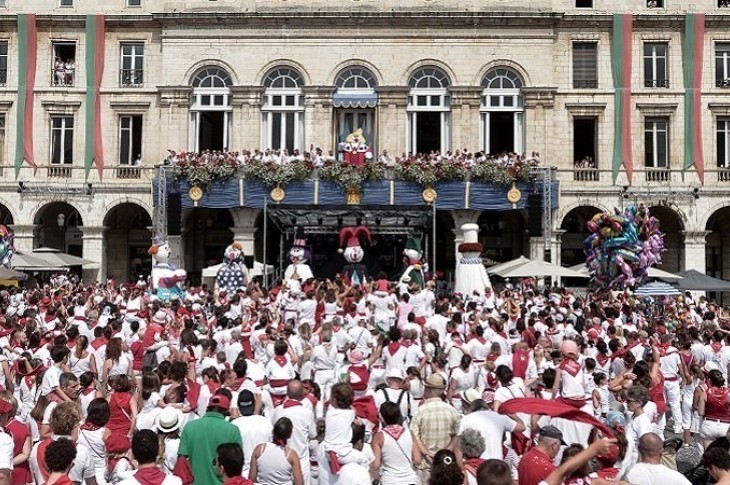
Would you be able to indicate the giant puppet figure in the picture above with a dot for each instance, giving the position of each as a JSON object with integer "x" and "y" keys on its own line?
{"x": 350, "y": 237}
{"x": 413, "y": 254}
{"x": 165, "y": 279}
{"x": 298, "y": 268}
{"x": 233, "y": 273}
{"x": 471, "y": 275}
{"x": 355, "y": 150}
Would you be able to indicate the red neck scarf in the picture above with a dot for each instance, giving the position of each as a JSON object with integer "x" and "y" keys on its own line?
{"x": 281, "y": 360}
{"x": 472, "y": 464}
{"x": 394, "y": 431}
{"x": 393, "y": 348}
{"x": 570, "y": 366}
{"x": 602, "y": 359}
{"x": 150, "y": 476}
{"x": 289, "y": 403}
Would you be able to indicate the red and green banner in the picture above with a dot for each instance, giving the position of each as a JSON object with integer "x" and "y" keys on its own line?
{"x": 621, "y": 66}
{"x": 94, "y": 149}
{"x": 27, "y": 56}
{"x": 694, "y": 37}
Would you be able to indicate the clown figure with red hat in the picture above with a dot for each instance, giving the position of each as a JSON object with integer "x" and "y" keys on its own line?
{"x": 350, "y": 237}
{"x": 298, "y": 268}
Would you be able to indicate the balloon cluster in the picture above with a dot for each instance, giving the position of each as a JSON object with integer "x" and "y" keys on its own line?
{"x": 623, "y": 246}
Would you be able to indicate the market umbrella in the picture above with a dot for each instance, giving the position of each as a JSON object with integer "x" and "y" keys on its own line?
{"x": 652, "y": 273}
{"x": 34, "y": 262}
{"x": 9, "y": 274}
{"x": 501, "y": 267}
{"x": 536, "y": 268}
{"x": 657, "y": 288}
{"x": 694, "y": 280}
{"x": 63, "y": 259}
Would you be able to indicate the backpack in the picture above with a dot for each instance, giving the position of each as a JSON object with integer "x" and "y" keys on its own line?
{"x": 400, "y": 398}
{"x": 149, "y": 359}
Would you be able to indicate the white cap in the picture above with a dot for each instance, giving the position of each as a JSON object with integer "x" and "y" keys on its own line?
{"x": 471, "y": 232}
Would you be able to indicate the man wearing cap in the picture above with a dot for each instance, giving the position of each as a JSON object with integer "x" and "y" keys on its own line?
{"x": 435, "y": 424}
{"x": 537, "y": 464}
{"x": 254, "y": 428}
{"x": 201, "y": 437}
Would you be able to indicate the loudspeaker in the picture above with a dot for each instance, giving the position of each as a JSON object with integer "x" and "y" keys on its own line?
{"x": 534, "y": 215}
{"x": 174, "y": 214}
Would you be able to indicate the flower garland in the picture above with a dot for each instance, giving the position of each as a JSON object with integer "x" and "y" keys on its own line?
{"x": 275, "y": 174}
{"x": 351, "y": 177}
{"x": 204, "y": 172}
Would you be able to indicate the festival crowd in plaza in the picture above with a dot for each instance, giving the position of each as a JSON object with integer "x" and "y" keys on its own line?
{"x": 359, "y": 380}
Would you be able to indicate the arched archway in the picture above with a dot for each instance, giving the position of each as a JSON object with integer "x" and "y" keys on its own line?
{"x": 575, "y": 232}
{"x": 127, "y": 241}
{"x": 504, "y": 235}
{"x": 717, "y": 249}
{"x": 6, "y": 217}
{"x": 670, "y": 223}
{"x": 60, "y": 226}
{"x": 206, "y": 234}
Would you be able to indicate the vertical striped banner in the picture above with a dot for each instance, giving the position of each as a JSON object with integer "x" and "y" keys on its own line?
{"x": 694, "y": 38}
{"x": 27, "y": 56}
{"x": 94, "y": 149}
{"x": 621, "y": 59}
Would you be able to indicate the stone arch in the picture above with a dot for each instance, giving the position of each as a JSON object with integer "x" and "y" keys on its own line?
{"x": 190, "y": 73}
{"x": 129, "y": 200}
{"x": 574, "y": 232}
{"x": 565, "y": 209}
{"x": 709, "y": 213}
{"x": 672, "y": 223}
{"x": 7, "y": 214}
{"x": 503, "y": 63}
{"x": 44, "y": 205}
{"x": 406, "y": 76}
{"x": 332, "y": 76}
{"x": 264, "y": 71}
{"x": 59, "y": 225}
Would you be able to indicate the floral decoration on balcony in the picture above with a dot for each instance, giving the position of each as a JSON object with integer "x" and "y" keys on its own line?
{"x": 351, "y": 177}
{"x": 427, "y": 173}
{"x": 496, "y": 173}
{"x": 202, "y": 170}
{"x": 276, "y": 174}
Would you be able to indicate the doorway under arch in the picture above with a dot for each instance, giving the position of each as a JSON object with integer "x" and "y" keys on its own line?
{"x": 59, "y": 226}
{"x": 206, "y": 234}
{"x": 128, "y": 238}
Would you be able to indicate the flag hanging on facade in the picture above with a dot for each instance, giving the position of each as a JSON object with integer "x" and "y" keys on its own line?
{"x": 694, "y": 37}
{"x": 94, "y": 149}
{"x": 27, "y": 56}
{"x": 621, "y": 59}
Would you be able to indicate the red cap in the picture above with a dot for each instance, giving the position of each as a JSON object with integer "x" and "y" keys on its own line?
{"x": 219, "y": 400}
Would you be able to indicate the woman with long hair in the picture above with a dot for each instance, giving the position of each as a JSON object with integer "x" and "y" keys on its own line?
{"x": 80, "y": 360}
{"x": 115, "y": 362}
{"x": 445, "y": 469}
{"x": 149, "y": 399}
{"x": 122, "y": 406}
{"x": 712, "y": 401}
{"x": 93, "y": 433}
{"x": 461, "y": 378}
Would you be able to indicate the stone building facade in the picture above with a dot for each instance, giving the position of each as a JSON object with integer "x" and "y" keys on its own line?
{"x": 243, "y": 74}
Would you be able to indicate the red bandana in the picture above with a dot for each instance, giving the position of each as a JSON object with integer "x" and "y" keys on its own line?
{"x": 289, "y": 403}
{"x": 281, "y": 360}
{"x": 570, "y": 366}
{"x": 394, "y": 431}
{"x": 393, "y": 348}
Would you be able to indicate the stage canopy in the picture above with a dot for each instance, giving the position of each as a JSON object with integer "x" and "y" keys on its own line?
{"x": 694, "y": 280}
{"x": 318, "y": 219}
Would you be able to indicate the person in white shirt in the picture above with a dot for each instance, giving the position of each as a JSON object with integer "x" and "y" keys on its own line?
{"x": 6, "y": 442}
{"x": 490, "y": 425}
{"x": 254, "y": 428}
{"x": 145, "y": 448}
{"x": 649, "y": 470}
{"x": 303, "y": 422}
{"x": 640, "y": 425}
{"x": 394, "y": 449}
{"x": 354, "y": 473}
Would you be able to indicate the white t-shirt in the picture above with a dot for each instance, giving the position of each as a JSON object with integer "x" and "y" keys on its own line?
{"x": 353, "y": 474}
{"x": 50, "y": 380}
{"x": 254, "y": 431}
{"x": 654, "y": 474}
{"x": 6, "y": 451}
{"x": 492, "y": 427}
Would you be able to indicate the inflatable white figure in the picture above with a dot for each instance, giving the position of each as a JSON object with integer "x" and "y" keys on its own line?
{"x": 233, "y": 274}
{"x": 165, "y": 279}
{"x": 414, "y": 271}
{"x": 298, "y": 268}
{"x": 471, "y": 275}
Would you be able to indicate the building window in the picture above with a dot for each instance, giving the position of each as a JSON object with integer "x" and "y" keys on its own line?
{"x": 64, "y": 64}
{"x": 3, "y": 4}
{"x": 134, "y": 3}
{"x": 130, "y": 140}
{"x": 722, "y": 65}
{"x": 132, "y": 72}
{"x": 655, "y": 65}
{"x": 585, "y": 65}
{"x": 428, "y": 111}
{"x": 723, "y": 142}
{"x": 723, "y": 3}
{"x": 62, "y": 138}
{"x": 655, "y": 3}
{"x": 66, "y": 3}
{"x": 3, "y": 63}
{"x": 656, "y": 142}
{"x": 2, "y": 140}
{"x": 283, "y": 109}
{"x": 355, "y": 101}
{"x": 502, "y": 112}
{"x": 210, "y": 112}
{"x": 583, "y": 3}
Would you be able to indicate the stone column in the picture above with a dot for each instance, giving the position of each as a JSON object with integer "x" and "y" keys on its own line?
{"x": 465, "y": 103}
{"x": 173, "y": 129}
{"x": 94, "y": 249}
{"x": 246, "y": 102}
{"x": 24, "y": 236}
{"x": 392, "y": 119}
{"x": 537, "y": 247}
{"x": 694, "y": 250}
{"x": 538, "y": 122}
{"x": 318, "y": 129}
{"x": 244, "y": 228}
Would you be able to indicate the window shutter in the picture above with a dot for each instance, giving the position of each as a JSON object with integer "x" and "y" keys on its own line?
{"x": 585, "y": 65}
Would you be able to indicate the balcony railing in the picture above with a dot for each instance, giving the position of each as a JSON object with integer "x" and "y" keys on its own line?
{"x": 722, "y": 83}
{"x": 131, "y": 77}
{"x": 586, "y": 175}
{"x": 129, "y": 172}
{"x": 3, "y": 77}
{"x": 658, "y": 175}
{"x": 656, "y": 83}
{"x": 585, "y": 84}
{"x": 63, "y": 77}
{"x": 59, "y": 171}
{"x": 723, "y": 174}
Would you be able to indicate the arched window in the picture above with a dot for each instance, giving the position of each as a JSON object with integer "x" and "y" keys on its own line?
{"x": 428, "y": 111}
{"x": 355, "y": 101}
{"x": 502, "y": 112}
{"x": 283, "y": 109}
{"x": 210, "y": 109}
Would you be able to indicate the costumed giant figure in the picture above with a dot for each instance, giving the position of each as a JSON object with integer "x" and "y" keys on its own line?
{"x": 233, "y": 274}
{"x": 350, "y": 237}
{"x": 471, "y": 275}
{"x": 165, "y": 279}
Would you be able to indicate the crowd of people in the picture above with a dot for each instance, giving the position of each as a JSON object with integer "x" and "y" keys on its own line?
{"x": 318, "y": 157}
{"x": 64, "y": 72}
{"x": 323, "y": 382}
